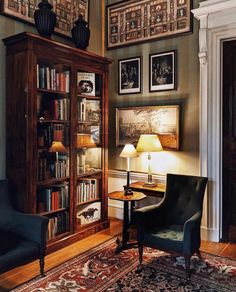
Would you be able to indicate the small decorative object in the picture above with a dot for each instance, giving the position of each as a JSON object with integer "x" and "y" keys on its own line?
{"x": 149, "y": 143}
{"x": 81, "y": 33}
{"x": 162, "y": 71}
{"x": 45, "y": 19}
{"x": 129, "y": 73}
{"x": 128, "y": 152}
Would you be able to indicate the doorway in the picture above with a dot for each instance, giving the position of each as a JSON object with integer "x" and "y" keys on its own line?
{"x": 229, "y": 142}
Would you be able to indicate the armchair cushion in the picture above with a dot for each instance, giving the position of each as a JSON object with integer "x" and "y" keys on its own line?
{"x": 170, "y": 238}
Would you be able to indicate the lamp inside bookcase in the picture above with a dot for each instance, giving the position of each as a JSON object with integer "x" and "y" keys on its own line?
{"x": 57, "y": 147}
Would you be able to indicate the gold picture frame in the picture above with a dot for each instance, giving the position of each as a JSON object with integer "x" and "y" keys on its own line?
{"x": 130, "y": 22}
{"x": 131, "y": 122}
{"x": 67, "y": 12}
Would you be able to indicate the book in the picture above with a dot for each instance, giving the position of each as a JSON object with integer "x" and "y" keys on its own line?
{"x": 86, "y": 83}
{"x": 92, "y": 111}
{"x": 95, "y": 132}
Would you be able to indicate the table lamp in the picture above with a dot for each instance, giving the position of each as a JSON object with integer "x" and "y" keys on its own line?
{"x": 56, "y": 147}
{"x": 149, "y": 143}
{"x": 128, "y": 152}
{"x": 84, "y": 140}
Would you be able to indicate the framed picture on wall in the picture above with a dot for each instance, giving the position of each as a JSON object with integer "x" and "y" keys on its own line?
{"x": 129, "y": 75}
{"x": 67, "y": 12}
{"x": 130, "y": 22}
{"x": 162, "y": 71}
{"x": 131, "y": 122}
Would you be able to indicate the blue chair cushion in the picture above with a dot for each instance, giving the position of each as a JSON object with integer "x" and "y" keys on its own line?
{"x": 169, "y": 238}
{"x": 15, "y": 250}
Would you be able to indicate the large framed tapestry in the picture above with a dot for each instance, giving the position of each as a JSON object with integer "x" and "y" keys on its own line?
{"x": 130, "y": 22}
{"x": 67, "y": 12}
{"x": 131, "y": 122}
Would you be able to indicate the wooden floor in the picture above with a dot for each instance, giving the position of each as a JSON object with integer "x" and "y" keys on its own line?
{"x": 19, "y": 275}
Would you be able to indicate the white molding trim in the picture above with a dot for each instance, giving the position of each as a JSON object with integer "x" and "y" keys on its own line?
{"x": 217, "y": 24}
{"x": 134, "y": 176}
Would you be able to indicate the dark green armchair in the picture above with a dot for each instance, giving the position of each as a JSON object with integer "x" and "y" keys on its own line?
{"x": 173, "y": 225}
{"x": 23, "y": 236}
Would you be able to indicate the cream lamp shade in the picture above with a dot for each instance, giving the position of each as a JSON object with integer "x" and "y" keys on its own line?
{"x": 129, "y": 151}
{"x": 149, "y": 143}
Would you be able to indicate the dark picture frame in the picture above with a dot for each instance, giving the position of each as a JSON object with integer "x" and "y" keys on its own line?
{"x": 162, "y": 71}
{"x": 131, "y": 122}
{"x": 24, "y": 11}
{"x": 129, "y": 75}
{"x": 130, "y": 22}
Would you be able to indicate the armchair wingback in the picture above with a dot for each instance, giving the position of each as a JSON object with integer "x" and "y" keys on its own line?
{"x": 23, "y": 236}
{"x": 174, "y": 223}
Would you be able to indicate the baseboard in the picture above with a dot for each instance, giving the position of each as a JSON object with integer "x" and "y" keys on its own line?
{"x": 210, "y": 234}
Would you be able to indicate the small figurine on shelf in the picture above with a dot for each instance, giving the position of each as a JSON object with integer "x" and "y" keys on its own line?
{"x": 81, "y": 33}
{"x": 45, "y": 19}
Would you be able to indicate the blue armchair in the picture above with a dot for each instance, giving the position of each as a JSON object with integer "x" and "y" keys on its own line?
{"x": 173, "y": 225}
{"x": 23, "y": 236}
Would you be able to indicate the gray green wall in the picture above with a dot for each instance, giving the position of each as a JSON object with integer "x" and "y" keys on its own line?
{"x": 9, "y": 27}
{"x": 187, "y": 96}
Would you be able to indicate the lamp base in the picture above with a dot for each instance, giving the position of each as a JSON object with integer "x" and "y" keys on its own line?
{"x": 128, "y": 192}
{"x": 149, "y": 184}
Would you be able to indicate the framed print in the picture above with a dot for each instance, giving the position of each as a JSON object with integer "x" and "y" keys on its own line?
{"x": 130, "y": 22}
{"x": 162, "y": 71}
{"x": 67, "y": 12}
{"x": 129, "y": 75}
{"x": 161, "y": 120}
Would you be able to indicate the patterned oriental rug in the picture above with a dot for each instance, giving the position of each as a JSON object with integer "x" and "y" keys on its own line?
{"x": 100, "y": 269}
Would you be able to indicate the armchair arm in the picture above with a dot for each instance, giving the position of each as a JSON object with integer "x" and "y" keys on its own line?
{"x": 149, "y": 216}
{"x": 29, "y": 226}
{"x": 191, "y": 240}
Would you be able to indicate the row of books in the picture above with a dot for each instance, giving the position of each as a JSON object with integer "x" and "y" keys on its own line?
{"x": 53, "y": 108}
{"x": 87, "y": 189}
{"x": 49, "y": 78}
{"x": 53, "y": 198}
{"x": 49, "y": 168}
{"x": 58, "y": 224}
{"x": 89, "y": 110}
{"x": 53, "y": 132}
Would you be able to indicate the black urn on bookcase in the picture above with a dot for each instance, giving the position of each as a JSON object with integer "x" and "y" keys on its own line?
{"x": 81, "y": 33}
{"x": 45, "y": 19}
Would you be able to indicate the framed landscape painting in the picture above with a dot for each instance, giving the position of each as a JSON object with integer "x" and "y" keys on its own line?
{"x": 130, "y": 22}
{"x": 161, "y": 120}
{"x": 67, "y": 12}
{"x": 129, "y": 75}
{"x": 162, "y": 71}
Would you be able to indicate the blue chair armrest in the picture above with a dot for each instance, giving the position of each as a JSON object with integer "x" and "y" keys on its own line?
{"x": 31, "y": 227}
{"x": 192, "y": 238}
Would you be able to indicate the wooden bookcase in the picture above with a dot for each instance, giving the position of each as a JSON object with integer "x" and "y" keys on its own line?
{"x": 56, "y": 93}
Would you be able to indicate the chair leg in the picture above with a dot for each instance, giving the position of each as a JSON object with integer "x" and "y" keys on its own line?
{"x": 41, "y": 264}
{"x": 187, "y": 266}
{"x": 140, "y": 250}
